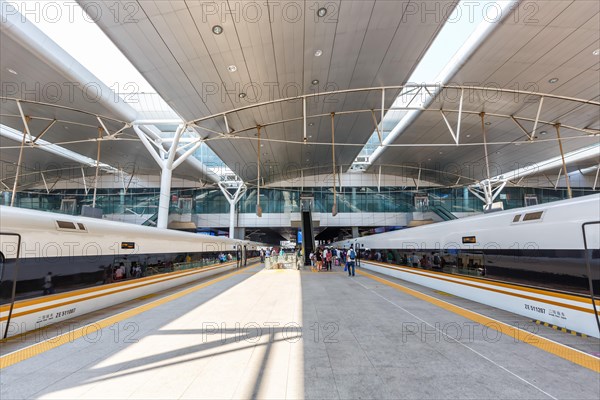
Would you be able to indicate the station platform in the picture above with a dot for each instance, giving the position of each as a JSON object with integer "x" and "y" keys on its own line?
{"x": 288, "y": 334}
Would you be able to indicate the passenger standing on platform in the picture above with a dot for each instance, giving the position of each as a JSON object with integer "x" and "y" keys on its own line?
{"x": 351, "y": 261}
{"x": 319, "y": 258}
{"x": 48, "y": 286}
{"x": 415, "y": 260}
{"x": 311, "y": 256}
{"x": 328, "y": 259}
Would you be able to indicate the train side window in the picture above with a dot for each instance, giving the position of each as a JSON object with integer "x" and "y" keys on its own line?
{"x": 65, "y": 225}
{"x": 533, "y": 216}
{"x": 81, "y": 227}
{"x": 517, "y": 218}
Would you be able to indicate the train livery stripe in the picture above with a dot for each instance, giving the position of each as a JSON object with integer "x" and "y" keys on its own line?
{"x": 38, "y": 348}
{"x": 438, "y": 277}
{"x": 107, "y": 293}
{"x": 575, "y": 356}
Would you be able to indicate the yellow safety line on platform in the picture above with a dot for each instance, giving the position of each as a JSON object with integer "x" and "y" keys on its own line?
{"x": 560, "y": 350}
{"x": 49, "y": 344}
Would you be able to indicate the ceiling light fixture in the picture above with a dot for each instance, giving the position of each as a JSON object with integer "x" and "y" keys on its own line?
{"x": 543, "y": 132}
{"x": 596, "y": 52}
{"x": 553, "y": 80}
{"x": 321, "y": 12}
{"x": 242, "y": 95}
{"x": 12, "y": 71}
{"x": 311, "y": 124}
{"x": 488, "y": 123}
{"x": 217, "y": 29}
{"x": 232, "y": 68}
{"x": 468, "y": 135}
{"x": 315, "y": 82}
{"x": 318, "y": 53}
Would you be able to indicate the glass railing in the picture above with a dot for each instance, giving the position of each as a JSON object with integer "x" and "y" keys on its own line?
{"x": 284, "y": 200}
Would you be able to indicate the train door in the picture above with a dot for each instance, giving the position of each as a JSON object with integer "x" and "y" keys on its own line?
{"x": 245, "y": 255}
{"x": 238, "y": 256}
{"x": 9, "y": 253}
{"x": 10, "y": 245}
{"x": 591, "y": 242}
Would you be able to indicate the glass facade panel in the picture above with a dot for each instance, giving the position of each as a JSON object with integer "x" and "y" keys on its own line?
{"x": 280, "y": 200}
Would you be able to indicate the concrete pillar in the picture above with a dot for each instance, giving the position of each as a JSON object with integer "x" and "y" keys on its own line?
{"x": 355, "y": 233}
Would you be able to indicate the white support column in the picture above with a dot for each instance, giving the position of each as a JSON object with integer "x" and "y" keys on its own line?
{"x": 486, "y": 192}
{"x": 164, "y": 199}
{"x": 334, "y": 208}
{"x": 596, "y": 180}
{"x": 97, "y": 167}
{"x": 232, "y": 199}
{"x": 258, "y": 207}
{"x": 14, "y": 191}
{"x": 167, "y": 166}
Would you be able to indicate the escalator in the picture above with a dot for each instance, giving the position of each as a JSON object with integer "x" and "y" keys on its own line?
{"x": 152, "y": 220}
{"x": 308, "y": 236}
{"x": 443, "y": 212}
{"x": 308, "y": 233}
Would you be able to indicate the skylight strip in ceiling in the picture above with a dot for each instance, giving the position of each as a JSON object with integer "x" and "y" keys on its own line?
{"x": 463, "y": 32}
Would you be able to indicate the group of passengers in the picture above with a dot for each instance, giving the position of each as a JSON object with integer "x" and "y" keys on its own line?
{"x": 225, "y": 257}
{"x": 325, "y": 258}
{"x": 120, "y": 272}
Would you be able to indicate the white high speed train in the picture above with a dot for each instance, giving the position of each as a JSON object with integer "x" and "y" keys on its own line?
{"x": 54, "y": 267}
{"x": 542, "y": 261}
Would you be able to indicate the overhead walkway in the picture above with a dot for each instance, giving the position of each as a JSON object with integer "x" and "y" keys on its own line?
{"x": 258, "y": 333}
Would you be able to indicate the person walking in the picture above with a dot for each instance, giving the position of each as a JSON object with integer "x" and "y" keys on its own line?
{"x": 351, "y": 261}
